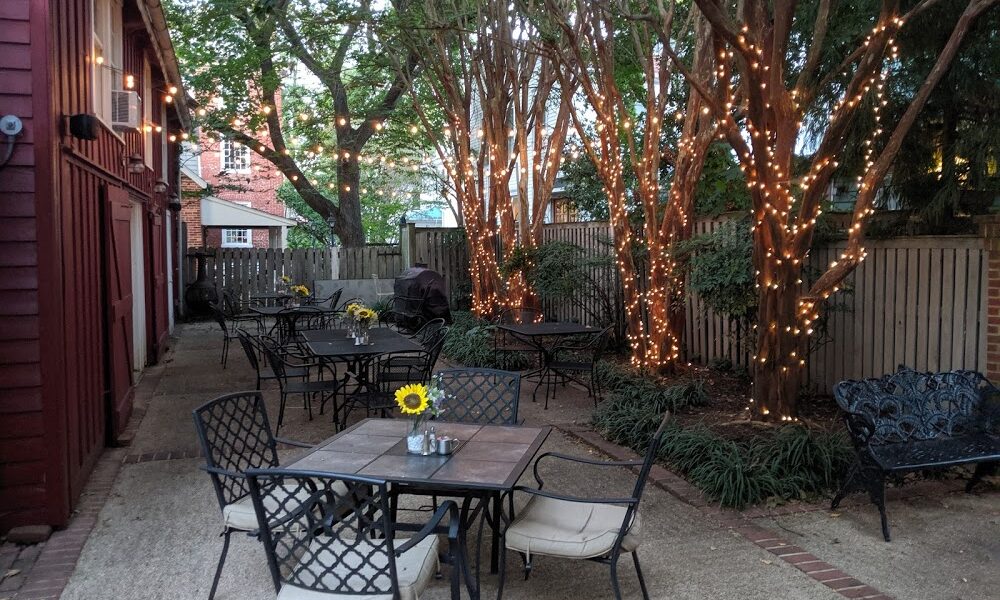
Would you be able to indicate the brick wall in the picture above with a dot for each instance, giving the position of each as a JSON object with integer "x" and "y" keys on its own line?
{"x": 258, "y": 187}
{"x": 990, "y": 228}
{"x": 191, "y": 211}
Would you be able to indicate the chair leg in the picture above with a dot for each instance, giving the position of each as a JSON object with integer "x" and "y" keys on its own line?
{"x": 225, "y": 350}
{"x": 614, "y": 579}
{"x": 281, "y": 411}
{"x": 982, "y": 470}
{"x": 503, "y": 570}
{"x": 222, "y": 561}
{"x": 638, "y": 571}
{"x": 876, "y": 491}
{"x": 849, "y": 483}
{"x": 495, "y": 548}
{"x": 527, "y": 566}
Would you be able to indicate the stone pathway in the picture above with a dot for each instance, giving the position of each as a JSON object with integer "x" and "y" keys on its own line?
{"x": 148, "y": 525}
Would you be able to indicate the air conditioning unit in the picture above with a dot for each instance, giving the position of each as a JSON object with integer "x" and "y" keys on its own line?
{"x": 126, "y": 109}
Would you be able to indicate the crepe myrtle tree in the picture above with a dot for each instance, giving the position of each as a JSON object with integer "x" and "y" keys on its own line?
{"x": 238, "y": 54}
{"x": 592, "y": 40}
{"x": 497, "y": 92}
{"x": 786, "y": 63}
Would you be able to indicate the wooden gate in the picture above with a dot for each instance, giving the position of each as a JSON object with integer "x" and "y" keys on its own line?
{"x": 118, "y": 283}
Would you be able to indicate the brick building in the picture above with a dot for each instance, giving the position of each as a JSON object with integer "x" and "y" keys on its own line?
{"x": 230, "y": 198}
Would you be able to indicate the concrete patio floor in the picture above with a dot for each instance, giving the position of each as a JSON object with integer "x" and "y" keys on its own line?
{"x": 158, "y": 534}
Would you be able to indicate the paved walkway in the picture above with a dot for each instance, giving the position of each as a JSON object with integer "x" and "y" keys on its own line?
{"x": 153, "y": 533}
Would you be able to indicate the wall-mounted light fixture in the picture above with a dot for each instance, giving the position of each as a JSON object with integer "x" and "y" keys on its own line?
{"x": 135, "y": 164}
{"x": 174, "y": 204}
{"x": 160, "y": 186}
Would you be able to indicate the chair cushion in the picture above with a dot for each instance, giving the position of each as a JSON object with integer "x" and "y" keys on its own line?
{"x": 570, "y": 529}
{"x": 241, "y": 515}
{"x": 415, "y": 569}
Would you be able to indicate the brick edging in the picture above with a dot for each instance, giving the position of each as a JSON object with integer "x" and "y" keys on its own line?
{"x": 57, "y": 560}
{"x": 677, "y": 486}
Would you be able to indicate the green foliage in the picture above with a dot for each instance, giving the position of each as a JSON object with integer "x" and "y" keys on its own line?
{"x": 791, "y": 462}
{"x": 470, "y": 342}
{"x": 721, "y": 269}
{"x": 722, "y": 187}
{"x": 639, "y": 401}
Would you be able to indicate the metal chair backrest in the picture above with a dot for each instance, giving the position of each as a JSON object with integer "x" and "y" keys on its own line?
{"x": 593, "y": 345}
{"x": 220, "y": 317}
{"x": 479, "y": 396}
{"x": 652, "y": 451}
{"x": 235, "y": 435}
{"x": 326, "y": 533}
{"x": 272, "y": 352}
{"x": 425, "y": 333}
{"x": 231, "y": 305}
{"x": 249, "y": 348}
{"x": 330, "y": 301}
{"x": 434, "y": 344}
{"x": 510, "y": 316}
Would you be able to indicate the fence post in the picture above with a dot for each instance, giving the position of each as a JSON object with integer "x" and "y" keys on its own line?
{"x": 989, "y": 226}
{"x": 408, "y": 243}
{"x": 335, "y": 262}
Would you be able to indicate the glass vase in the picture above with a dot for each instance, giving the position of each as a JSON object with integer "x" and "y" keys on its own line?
{"x": 415, "y": 436}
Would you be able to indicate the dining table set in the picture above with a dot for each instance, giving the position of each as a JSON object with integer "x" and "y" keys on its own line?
{"x": 474, "y": 453}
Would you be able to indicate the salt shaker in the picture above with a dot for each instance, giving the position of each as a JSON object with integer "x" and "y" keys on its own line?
{"x": 426, "y": 447}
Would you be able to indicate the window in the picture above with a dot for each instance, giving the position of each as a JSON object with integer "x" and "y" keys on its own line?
{"x": 107, "y": 54}
{"x": 235, "y": 157}
{"x": 236, "y": 238}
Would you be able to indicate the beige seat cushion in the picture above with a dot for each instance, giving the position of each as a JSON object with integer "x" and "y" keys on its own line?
{"x": 241, "y": 515}
{"x": 415, "y": 569}
{"x": 570, "y": 529}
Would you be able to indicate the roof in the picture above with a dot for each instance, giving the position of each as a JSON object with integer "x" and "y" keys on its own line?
{"x": 187, "y": 171}
{"x": 156, "y": 23}
{"x": 216, "y": 212}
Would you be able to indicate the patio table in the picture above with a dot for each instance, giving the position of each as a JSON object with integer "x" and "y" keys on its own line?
{"x": 544, "y": 337}
{"x": 269, "y": 298}
{"x": 488, "y": 461}
{"x": 334, "y": 345}
{"x": 286, "y": 318}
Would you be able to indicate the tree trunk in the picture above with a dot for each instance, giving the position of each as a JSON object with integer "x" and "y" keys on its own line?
{"x": 783, "y": 328}
{"x": 349, "y": 227}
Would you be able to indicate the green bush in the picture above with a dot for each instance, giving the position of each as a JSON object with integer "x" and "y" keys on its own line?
{"x": 792, "y": 462}
{"x": 470, "y": 343}
{"x": 623, "y": 381}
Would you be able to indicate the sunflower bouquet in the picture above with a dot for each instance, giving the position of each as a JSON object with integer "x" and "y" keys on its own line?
{"x": 418, "y": 402}
{"x": 365, "y": 316}
{"x": 299, "y": 290}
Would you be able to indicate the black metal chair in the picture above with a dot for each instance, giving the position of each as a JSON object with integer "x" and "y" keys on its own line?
{"x": 479, "y": 396}
{"x": 289, "y": 383}
{"x": 227, "y": 333}
{"x": 506, "y": 344}
{"x": 574, "y": 527}
{"x": 572, "y": 359}
{"x": 381, "y": 376}
{"x": 236, "y": 314}
{"x": 235, "y": 435}
{"x": 329, "y": 302}
{"x": 332, "y": 536}
{"x": 254, "y": 350}
{"x": 426, "y": 333}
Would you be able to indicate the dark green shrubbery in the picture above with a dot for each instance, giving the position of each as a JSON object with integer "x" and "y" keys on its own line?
{"x": 788, "y": 463}
{"x": 470, "y": 342}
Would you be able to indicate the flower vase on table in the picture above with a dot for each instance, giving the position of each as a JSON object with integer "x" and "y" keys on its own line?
{"x": 364, "y": 317}
{"x": 418, "y": 402}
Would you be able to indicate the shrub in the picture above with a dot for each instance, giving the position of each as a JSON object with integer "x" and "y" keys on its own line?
{"x": 623, "y": 381}
{"x": 470, "y": 342}
{"x": 791, "y": 462}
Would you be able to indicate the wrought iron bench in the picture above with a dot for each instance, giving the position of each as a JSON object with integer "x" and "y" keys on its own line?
{"x": 912, "y": 421}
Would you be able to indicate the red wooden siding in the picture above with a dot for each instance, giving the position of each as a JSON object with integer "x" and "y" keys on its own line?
{"x": 65, "y": 339}
{"x": 22, "y": 464}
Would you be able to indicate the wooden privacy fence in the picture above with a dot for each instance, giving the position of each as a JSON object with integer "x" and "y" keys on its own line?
{"x": 246, "y": 271}
{"x": 383, "y": 260}
{"x": 443, "y": 249}
{"x": 918, "y": 301}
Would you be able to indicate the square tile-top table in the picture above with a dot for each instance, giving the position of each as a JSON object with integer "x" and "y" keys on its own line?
{"x": 335, "y": 343}
{"x": 489, "y": 457}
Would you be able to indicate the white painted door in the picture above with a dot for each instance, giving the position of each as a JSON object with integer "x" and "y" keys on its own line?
{"x": 138, "y": 291}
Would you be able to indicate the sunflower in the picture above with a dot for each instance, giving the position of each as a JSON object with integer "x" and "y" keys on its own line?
{"x": 365, "y": 315}
{"x": 412, "y": 399}
{"x": 353, "y": 308}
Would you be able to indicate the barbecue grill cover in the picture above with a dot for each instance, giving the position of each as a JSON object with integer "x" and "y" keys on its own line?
{"x": 420, "y": 295}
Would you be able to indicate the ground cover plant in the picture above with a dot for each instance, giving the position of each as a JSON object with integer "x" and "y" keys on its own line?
{"x": 470, "y": 342}
{"x": 735, "y": 468}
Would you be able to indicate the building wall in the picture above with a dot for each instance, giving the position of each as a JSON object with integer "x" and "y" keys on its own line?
{"x": 59, "y": 368}
{"x": 23, "y": 471}
{"x": 258, "y": 188}
{"x": 191, "y": 212}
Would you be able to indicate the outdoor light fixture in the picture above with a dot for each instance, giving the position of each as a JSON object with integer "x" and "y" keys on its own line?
{"x": 135, "y": 164}
{"x": 160, "y": 186}
{"x": 174, "y": 204}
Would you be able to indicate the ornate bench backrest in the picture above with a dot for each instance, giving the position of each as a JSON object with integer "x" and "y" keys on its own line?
{"x": 911, "y": 406}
